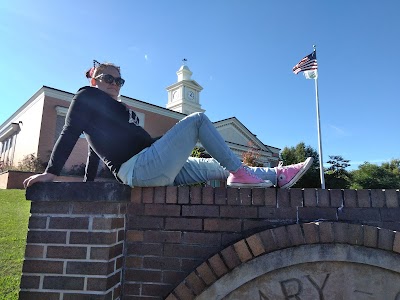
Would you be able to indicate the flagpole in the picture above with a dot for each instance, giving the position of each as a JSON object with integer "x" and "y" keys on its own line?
{"x": 321, "y": 167}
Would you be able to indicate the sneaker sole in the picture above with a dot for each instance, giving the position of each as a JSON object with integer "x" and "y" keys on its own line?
{"x": 304, "y": 169}
{"x": 265, "y": 184}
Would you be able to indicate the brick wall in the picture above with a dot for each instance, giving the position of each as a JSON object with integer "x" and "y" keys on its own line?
{"x": 13, "y": 179}
{"x": 178, "y": 240}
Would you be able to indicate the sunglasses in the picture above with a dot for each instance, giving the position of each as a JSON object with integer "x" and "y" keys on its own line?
{"x": 110, "y": 79}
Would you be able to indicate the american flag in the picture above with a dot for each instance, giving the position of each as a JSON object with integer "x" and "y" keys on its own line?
{"x": 307, "y": 63}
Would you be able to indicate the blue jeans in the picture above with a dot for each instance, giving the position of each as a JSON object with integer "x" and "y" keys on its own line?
{"x": 167, "y": 161}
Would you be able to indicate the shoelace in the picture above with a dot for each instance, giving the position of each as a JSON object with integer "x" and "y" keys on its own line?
{"x": 250, "y": 172}
{"x": 280, "y": 165}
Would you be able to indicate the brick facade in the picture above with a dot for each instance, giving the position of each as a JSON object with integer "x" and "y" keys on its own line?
{"x": 107, "y": 241}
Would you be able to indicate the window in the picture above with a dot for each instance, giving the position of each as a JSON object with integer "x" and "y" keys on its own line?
{"x": 60, "y": 121}
{"x": 214, "y": 183}
{"x": 59, "y": 125}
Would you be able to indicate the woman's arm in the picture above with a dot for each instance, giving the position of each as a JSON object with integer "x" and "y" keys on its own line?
{"x": 92, "y": 165}
{"x": 77, "y": 116}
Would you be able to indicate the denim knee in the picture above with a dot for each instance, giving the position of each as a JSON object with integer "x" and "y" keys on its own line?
{"x": 197, "y": 115}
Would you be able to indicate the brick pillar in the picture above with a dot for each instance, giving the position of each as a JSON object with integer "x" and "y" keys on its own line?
{"x": 75, "y": 241}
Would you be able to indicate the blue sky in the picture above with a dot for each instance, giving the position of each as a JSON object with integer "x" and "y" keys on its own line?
{"x": 240, "y": 52}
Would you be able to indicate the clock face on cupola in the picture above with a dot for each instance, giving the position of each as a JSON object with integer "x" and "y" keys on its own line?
{"x": 190, "y": 95}
{"x": 175, "y": 95}
{"x": 184, "y": 95}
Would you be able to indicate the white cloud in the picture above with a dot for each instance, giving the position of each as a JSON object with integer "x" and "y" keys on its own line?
{"x": 339, "y": 131}
{"x": 146, "y": 57}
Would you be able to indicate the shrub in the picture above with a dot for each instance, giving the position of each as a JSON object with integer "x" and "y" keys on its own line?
{"x": 30, "y": 163}
{"x": 250, "y": 157}
{"x": 78, "y": 170}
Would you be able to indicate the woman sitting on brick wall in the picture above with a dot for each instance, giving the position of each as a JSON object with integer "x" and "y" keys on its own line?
{"x": 136, "y": 159}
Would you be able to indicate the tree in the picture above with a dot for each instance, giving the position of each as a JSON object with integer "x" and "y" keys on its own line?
{"x": 336, "y": 175}
{"x": 199, "y": 153}
{"x": 370, "y": 176}
{"x": 77, "y": 170}
{"x": 251, "y": 156}
{"x": 31, "y": 163}
{"x": 393, "y": 166}
{"x": 338, "y": 164}
{"x": 294, "y": 155}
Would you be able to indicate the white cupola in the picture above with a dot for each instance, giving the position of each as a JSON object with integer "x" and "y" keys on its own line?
{"x": 184, "y": 95}
{"x": 184, "y": 73}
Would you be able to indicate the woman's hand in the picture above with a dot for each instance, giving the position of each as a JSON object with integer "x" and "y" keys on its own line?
{"x": 44, "y": 177}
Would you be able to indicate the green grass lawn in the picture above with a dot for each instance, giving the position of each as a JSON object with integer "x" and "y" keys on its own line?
{"x": 14, "y": 218}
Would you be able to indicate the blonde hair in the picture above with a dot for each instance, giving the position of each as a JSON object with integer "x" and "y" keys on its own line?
{"x": 99, "y": 67}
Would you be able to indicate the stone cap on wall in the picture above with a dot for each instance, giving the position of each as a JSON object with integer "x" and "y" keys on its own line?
{"x": 79, "y": 192}
{"x": 307, "y": 197}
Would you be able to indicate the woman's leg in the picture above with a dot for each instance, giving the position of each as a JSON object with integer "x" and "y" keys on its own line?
{"x": 163, "y": 160}
{"x": 167, "y": 161}
{"x": 197, "y": 170}
{"x": 205, "y": 169}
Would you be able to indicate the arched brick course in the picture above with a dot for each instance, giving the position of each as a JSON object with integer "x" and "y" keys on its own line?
{"x": 271, "y": 240}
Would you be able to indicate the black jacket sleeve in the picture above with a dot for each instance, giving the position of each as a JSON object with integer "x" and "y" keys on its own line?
{"x": 92, "y": 165}
{"x": 76, "y": 119}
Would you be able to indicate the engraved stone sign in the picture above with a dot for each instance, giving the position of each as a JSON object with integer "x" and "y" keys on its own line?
{"x": 311, "y": 272}
{"x": 327, "y": 280}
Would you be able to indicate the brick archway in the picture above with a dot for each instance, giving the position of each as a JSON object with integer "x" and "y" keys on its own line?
{"x": 107, "y": 240}
{"x": 280, "y": 238}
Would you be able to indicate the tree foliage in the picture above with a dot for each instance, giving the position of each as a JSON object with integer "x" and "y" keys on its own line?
{"x": 294, "y": 155}
{"x": 77, "y": 170}
{"x": 250, "y": 157}
{"x": 336, "y": 176}
{"x": 338, "y": 164}
{"x": 367, "y": 176}
{"x": 196, "y": 152}
{"x": 370, "y": 176}
{"x": 31, "y": 163}
{"x": 199, "y": 153}
{"x": 393, "y": 166}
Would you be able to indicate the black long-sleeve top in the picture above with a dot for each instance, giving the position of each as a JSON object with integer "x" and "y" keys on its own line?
{"x": 92, "y": 165}
{"x": 111, "y": 129}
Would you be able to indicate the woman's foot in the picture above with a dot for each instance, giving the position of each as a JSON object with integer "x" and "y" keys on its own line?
{"x": 244, "y": 177}
{"x": 289, "y": 175}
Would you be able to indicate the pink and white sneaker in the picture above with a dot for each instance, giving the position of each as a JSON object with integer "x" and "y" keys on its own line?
{"x": 245, "y": 177}
{"x": 289, "y": 175}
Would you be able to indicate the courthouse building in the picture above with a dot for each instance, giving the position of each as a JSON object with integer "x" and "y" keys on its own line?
{"x": 36, "y": 125}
